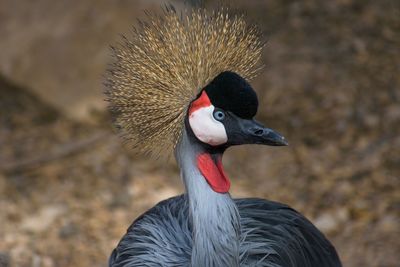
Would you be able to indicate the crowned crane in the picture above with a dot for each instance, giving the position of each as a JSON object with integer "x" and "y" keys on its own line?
{"x": 180, "y": 84}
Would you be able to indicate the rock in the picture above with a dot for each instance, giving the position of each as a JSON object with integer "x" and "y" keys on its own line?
{"x": 60, "y": 49}
{"x": 43, "y": 219}
{"x": 326, "y": 222}
{"x": 68, "y": 230}
{"x": 389, "y": 224}
{"x": 330, "y": 221}
{"x": 5, "y": 260}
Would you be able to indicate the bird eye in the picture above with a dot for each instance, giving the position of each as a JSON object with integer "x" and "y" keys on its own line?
{"x": 219, "y": 115}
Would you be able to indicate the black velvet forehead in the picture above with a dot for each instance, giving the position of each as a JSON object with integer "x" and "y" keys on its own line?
{"x": 231, "y": 92}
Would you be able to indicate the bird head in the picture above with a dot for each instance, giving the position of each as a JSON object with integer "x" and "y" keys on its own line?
{"x": 223, "y": 113}
{"x": 187, "y": 71}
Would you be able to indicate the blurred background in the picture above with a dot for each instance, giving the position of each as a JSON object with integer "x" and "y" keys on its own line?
{"x": 69, "y": 187}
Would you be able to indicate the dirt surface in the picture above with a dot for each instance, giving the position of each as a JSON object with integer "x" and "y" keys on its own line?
{"x": 69, "y": 188}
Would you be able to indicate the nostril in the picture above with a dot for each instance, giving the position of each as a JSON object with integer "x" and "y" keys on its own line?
{"x": 259, "y": 132}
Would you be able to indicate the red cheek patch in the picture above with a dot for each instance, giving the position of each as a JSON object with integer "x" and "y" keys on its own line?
{"x": 201, "y": 102}
{"x": 213, "y": 172}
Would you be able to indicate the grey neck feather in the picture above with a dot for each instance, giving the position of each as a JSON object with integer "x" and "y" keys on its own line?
{"x": 214, "y": 216}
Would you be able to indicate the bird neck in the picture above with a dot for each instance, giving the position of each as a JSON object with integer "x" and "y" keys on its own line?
{"x": 214, "y": 216}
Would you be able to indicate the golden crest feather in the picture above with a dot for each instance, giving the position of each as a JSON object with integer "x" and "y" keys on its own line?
{"x": 162, "y": 67}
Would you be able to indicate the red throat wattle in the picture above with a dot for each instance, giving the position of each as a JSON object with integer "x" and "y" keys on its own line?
{"x": 214, "y": 173}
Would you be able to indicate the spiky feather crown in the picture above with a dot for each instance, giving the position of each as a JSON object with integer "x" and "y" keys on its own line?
{"x": 161, "y": 68}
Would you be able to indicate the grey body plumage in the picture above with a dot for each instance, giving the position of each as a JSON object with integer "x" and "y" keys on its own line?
{"x": 272, "y": 235}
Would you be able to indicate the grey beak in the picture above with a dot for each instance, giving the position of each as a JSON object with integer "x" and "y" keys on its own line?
{"x": 266, "y": 136}
{"x": 253, "y": 132}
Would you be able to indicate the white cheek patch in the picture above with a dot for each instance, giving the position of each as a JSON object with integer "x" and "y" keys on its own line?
{"x": 206, "y": 128}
